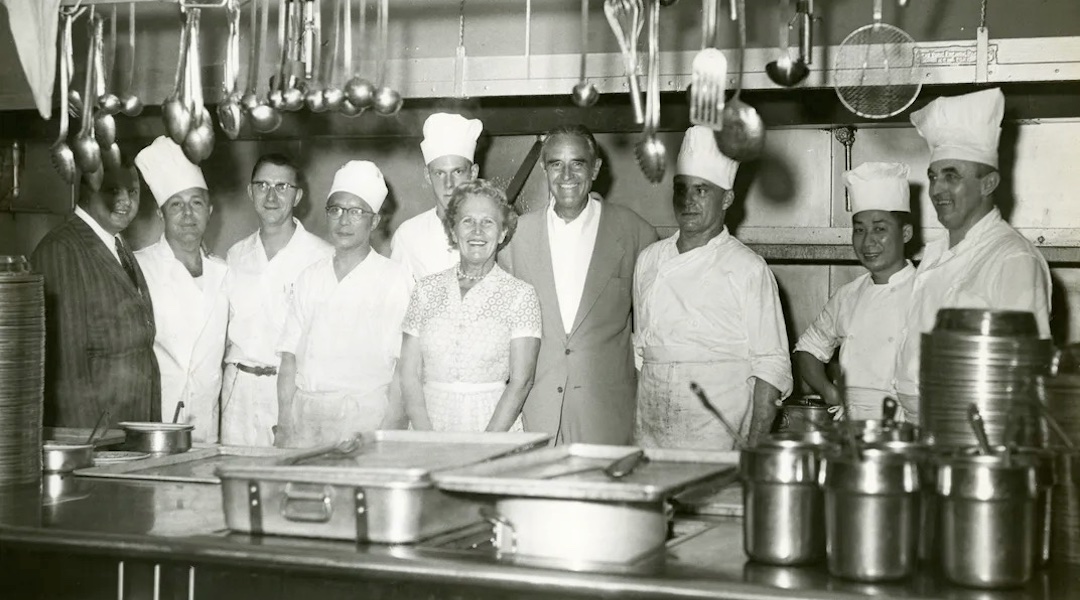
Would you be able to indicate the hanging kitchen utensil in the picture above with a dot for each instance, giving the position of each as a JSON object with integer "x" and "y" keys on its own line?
{"x": 846, "y": 136}
{"x": 130, "y": 104}
{"x": 292, "y": 97}
{"x": 62, "y": 157}
{"x": 359, "y": 91}
{"x": 624, "y": 17}
{"x": 347, "y": 107}
{"x": 742, "y": 136}
{"x": 741, "y": 443}
{"x": 650, "y": 152}
{"x": 784, "y": 70}
{"x": 199, "y": 142}
{"x": 85, "y": 147}
{"x": 804, "y": 13}
{"x": 333, "y": 95}
{"x": 585, "y": 93}
{"x": 313, "y": 97}
{"x": 107, "y": 102}
{"x": 264, "y": 117}
{"x": 104, "y": 123}
{"x": 387, "y": 101}
{"x": 229, "y": 111}
{"x": 174, "y": 110}
{"x": 874, "y": 73}
{"x": 708, "y": 74}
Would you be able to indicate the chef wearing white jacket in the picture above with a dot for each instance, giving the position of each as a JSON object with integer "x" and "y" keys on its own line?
{"x": 980, "y": 261}
{"x": 706, "y": 310}
{"x": 187, "y": 286}
{"x": 865, "y": 317}
{"x": 342, "y": 337}
{"x": 449, "y": 146}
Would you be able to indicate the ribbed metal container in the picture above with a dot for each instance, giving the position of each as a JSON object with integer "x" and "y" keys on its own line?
{"x": 1065, "y": 509}
{"x": 22, "y": 371}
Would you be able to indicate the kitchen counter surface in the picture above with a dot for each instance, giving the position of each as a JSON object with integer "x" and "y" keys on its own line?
{"x": 183, "y": 523}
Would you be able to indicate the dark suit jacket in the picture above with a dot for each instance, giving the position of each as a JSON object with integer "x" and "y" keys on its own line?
{"x": 586, "y": 382}
{"x": 99, "y": 328}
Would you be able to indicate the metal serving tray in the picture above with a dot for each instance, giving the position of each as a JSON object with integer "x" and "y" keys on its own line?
{"x": 575, "y": 472}
{"x": 198, "y": 465}
{"x": 380, "y": 493}
{"x": 720, "y": 497}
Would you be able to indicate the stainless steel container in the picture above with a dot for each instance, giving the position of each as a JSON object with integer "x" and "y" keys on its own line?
{"x": 65, "y": 458}
{"x": 1065, "y": 509}
{"x": 871, "y": 513}
{"x": 987, "y": 519}
{"x": 157, "y": 438}
{"x": 809, "y": 413}
{"x": 874, "y": 431}
{"x": 783, "y": 507}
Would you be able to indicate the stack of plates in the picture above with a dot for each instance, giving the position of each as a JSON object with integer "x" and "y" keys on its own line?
{"x": 22, "y": 371}
{"x": 993, "y": 361}
{"x": 1065, "y": 509}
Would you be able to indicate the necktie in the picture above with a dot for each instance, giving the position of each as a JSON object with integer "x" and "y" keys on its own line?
{"x": 126, "y": 260}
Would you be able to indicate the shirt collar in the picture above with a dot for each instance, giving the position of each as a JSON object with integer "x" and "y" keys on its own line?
{"x": 299, "y": 228}
{"x": 898, "y": 277}
{"x": 106, "y": 238}
{"x": 592, "y": 207}
{"x": 717, "y": 240}
{"x": 978, "y": 230}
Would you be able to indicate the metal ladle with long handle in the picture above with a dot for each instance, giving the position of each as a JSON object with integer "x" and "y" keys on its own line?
{"x": 264, "y": 117}
{"x": 130, "y": 104}
{"x": 650, "y": 151}
{"x": 359, "y": 92}
{"x": 333, "y": 95}
{"x": 742, "y": 137}
{"x": 784, "y": 70}
{"x": 174, "y": 111}
{"x": 84, "y": 147}
{"x": 585, "y": 93}
{"x": 229, "y": 111}
{"x": 60, "y": 152}
{"x": 199, "y": 142}
{"x": 387, "y": 101}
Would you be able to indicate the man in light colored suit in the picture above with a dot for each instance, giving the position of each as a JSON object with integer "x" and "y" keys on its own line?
{"x": 579, "y": 254}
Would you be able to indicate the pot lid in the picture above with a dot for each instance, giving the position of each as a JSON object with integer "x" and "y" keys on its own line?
{"x": 149, "y": 426}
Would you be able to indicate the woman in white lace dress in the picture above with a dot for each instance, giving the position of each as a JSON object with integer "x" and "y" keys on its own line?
{"x": 472, "y": 332}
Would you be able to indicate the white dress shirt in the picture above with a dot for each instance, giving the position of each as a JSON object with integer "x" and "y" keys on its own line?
{"x": 420, "y": 244}
{"x": 571, "y": 252}
{"x": 106, "y": 238}
{"x": 259, "y": 289}
{"x": 865, "y": 321}
{"x": 993, "y": 267}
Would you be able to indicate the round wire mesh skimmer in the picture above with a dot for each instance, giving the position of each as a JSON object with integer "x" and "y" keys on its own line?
{"x": 875, "y": 75}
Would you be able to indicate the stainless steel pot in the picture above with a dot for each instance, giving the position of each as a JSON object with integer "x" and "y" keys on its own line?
{"x": 576, "y": 531}
{"x": 809, "y": 413}
{"x": 783, "y": 509}
{"x": 987, "y": 521}
{"x": 871, "y": 513}
{"x": 157, "y": 438}
{"x": 873, "y": 431}
{"x": 65, "y": 458}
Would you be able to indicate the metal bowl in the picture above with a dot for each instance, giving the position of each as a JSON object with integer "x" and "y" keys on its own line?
{"x": 65, "y": 458}
{"x": 987, "y": 322}
{"x": 157, "y": 438}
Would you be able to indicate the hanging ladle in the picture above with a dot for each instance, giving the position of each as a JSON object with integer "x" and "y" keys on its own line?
{"x": 85, "y": 148}
{"x": 784, "y": 70}
{"x": 585, "y": 93}
{"x": 229, "y": 111}
{"x": 175, "y": 112}
{"x": 742, "y": 136}
{"x": 264, "y": 117}
{"x": 60, "y": 152}
{"x": 359, "y": 92}
{"x": 130, "y": 104}
{"x": 333, "y": 95}
{"x": 313, "y": 97}
{"x": 650, "y": 151}
{"x": 387, "y": 101}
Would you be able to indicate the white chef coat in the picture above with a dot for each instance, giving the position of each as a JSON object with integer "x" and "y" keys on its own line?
{"x": 710, "y": 315}
{"x": 346, "y": 336}
{"x": 571, "y": 252}
{"x": 992, "y": 267}
{"x": 420, "y": 244}
{"x": 864, "y": 320}
{"x": 258, "y": 291}
{"x": 191, "y": 316}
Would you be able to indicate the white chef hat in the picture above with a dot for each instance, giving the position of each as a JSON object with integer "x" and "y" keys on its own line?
{"x": 700, "y": 157}
{"x": 362, "y": 179}
{"x": 963, "y": 127}
{"x": 167, "y": 171}
{"x": 446, "y": 133}
{"x": 879, "y": 186}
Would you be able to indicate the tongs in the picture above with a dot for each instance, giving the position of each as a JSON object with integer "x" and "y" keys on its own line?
{"x": 624, "y": 17}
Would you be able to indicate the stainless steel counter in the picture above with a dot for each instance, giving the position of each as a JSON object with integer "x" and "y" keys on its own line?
{"x": 182, "y": 524}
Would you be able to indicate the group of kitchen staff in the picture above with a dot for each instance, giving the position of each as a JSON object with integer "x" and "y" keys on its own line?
{"x": 292, "y": 316}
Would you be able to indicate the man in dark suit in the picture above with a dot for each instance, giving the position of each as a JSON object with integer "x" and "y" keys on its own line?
{"x": 98, "y": 315}
{"x": 579, "y": 254}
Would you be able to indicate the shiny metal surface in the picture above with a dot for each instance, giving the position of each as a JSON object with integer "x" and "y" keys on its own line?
{"x": 157, "y": 438}
{"x": 783, "y": 507}
{"x": 976, "y": 321}
{"x": 65, "y": 458}
{"x": 1065, "y": 509}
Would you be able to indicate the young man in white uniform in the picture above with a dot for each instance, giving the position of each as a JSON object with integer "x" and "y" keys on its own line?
{"x": 449, "y": 145}
{"x": 187, "y": 285}
{"x": 864, "y": 318}
{"x": 342, "y": 337}
{"x": 980, "y": 261}
{"x": 706, "y": 310}
{"x": 262, "y": 270}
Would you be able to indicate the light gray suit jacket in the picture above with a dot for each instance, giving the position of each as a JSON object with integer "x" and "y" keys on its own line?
{"x": 586, "y": 382}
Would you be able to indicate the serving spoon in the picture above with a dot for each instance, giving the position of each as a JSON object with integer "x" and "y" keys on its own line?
{"x": 130, "y": 104}
{"x": 229, "y": 111}
{"x": 585, "y": 93}
{"x": 742, "y": 137}
{"x": 387, "y": 101}
{"x": 333, "y": 95}
{"x": 359, "y": 92}
{"x": 199, "y": 142}
{"x": 85, "y": 148}
{"x": 62, "y": 157}
{"x": 264, "y": 117}
{"x": 174, "y": 110}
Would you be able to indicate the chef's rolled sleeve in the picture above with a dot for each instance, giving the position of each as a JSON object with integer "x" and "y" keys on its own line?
{"x": 770, "y": 358}
{"x": 822, "y": 338}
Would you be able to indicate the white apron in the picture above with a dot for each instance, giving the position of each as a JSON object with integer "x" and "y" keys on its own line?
{"x": 249, "y": 408}
{"x": 320, "y": 418}
{"x": 864, "y": 403}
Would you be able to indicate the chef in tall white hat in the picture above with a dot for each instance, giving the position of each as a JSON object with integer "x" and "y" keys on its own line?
{"x": 979, "y": 261}
{"x": 865, "y": 318}
{"x": 449, "y": 148}
{"x": 342, "y": 336}
{"x": 187, "y": 287}
{"x": 706, "y": 310}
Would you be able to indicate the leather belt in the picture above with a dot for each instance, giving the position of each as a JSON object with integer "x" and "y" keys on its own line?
{"x": 257, "y": 371}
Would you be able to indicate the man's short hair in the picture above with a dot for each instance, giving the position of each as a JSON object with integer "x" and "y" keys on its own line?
{"x": 276, "y": 159}
{"x": 575, "y": 130}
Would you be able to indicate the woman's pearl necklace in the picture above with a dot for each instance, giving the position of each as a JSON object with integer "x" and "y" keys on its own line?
{"x": 462, "y": 275}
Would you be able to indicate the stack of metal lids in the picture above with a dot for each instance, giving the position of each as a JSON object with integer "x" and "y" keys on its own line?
{"x": 22, "y": 371}
{"x": 991, "y": 358}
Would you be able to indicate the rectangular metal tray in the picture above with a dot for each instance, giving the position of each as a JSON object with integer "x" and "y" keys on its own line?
{"x": 383, "y": 494}
{"x": 198, "y": 465}
{"x": 78, "y": 435}
{"x": 575, "y": 472}
{"x": 721, "y": 497}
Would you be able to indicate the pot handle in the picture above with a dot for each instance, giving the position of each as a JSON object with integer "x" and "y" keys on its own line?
{"x": 307, "y": 505}
{"x": 505, "y": 538}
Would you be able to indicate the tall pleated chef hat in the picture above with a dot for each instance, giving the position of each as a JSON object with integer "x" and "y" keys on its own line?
{"x": 167, "y": 171}
{"x": 446, "y": 133}
{"x": 699, "y": 157}
{"x": 879, "y": 186}
{"x": 963, "y": 127}
{"x": 363, "y": 179}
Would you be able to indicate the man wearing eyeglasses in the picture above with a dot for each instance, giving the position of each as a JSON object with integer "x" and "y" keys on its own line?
{"x": 262, "y": 270}
{"x": 191, "y": 310}
{"x": 99, "y": 320}
{"x": 342, "y": 336}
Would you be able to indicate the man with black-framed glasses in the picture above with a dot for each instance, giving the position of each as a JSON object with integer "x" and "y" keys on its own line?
{"x": 342, "y": 336}
{"x": 262, "y": 270}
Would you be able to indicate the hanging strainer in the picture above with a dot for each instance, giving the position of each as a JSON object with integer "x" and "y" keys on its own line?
{"x": 875, "y": 74}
